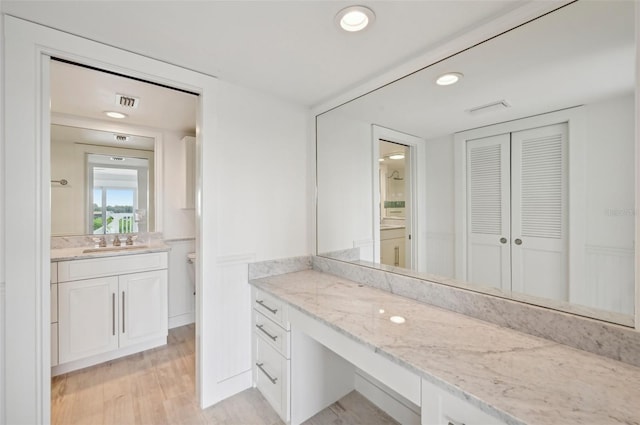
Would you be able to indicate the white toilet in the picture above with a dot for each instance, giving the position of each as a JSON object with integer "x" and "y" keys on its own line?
{"x": 191, "y": 260}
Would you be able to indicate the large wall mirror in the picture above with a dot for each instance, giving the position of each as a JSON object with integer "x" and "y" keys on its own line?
{"x": 517, "y": 180}
{"x": 98, "y": 186}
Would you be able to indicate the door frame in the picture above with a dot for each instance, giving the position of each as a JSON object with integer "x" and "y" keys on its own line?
{"x": 417, "y": 159}
{"x": 576, "y": 122}
{"x": 27, "y": 49}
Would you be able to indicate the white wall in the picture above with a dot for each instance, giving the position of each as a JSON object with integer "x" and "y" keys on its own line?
{"x": 262, "y": 175}
{"x": 345, "y": 197}
{"x": 610, "y": 207}
{"x": 259, "y": 167}
{"x": 440, "y": 234}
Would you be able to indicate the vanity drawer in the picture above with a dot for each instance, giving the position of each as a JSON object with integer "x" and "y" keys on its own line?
{"x": 109, "y": 266}
{"x": 272, "y": 334}
{"x": 441, "y": 408}
{"x": 271, "y": 375}
{"x": 271, "y": 307}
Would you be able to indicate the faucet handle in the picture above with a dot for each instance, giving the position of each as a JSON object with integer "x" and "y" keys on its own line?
{"x": 129, "y": 240}
{"x": 116, "y": 241}
{"x": 103, "y": 242}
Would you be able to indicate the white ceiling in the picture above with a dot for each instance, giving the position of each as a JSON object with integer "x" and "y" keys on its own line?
{"x": 291, "y": 49}
{"x": 581, "y": 54}
{"x": 87, "y": 93}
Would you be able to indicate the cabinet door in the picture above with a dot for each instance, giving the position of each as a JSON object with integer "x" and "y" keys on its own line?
{"x": 87, "y": 318}
{"x": 392, "y": 252}
{"x": 488, "y": 211}
{"x": 143, "y": 307}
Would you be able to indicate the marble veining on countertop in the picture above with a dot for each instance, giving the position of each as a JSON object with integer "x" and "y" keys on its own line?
{"x": 76, "y": 253}
{"x": 518, "y": 378}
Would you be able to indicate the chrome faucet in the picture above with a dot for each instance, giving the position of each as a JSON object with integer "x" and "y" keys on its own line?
{"x": 116, "y": 241}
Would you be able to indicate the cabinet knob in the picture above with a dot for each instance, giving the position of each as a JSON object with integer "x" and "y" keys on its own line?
{"x": 518, "y": 241}
{"x": 503, "y": 240}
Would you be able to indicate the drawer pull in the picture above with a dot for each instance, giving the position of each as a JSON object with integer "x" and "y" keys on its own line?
{"x": 273, "y": 380}
{"x": 272, "y": 310}
{"x": 261, "y": 327}
{"x": 452, "y": 422}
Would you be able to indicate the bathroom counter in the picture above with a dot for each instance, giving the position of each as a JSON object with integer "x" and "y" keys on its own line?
{"x": 76, "y": 253}
{"x": 515, "y": 377}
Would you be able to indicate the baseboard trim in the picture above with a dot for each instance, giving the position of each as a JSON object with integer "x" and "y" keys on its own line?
{"x": 181, "y": 320}
{"x": 105, "y": 357}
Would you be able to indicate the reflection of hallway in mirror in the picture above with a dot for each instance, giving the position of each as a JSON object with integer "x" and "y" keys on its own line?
{"x": 395, "y": 187}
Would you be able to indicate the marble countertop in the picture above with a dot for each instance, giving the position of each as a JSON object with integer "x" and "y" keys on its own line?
{"x": 77, "y": 253}
{"x": 516, "y": 377}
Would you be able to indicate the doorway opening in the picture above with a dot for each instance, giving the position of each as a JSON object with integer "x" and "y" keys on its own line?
{"x": 124, "y": 178}
{"x": 394, "y": 176}
{"x": 397, "y": 170}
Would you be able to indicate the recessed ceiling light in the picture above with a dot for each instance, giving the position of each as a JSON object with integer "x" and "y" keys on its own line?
{"x": 380, "y": 159}
{"x": 449, "y": 78}
{"x": 355, "y": 18}
{"x": 114, "y": 114}
{"x": 396, "y": 156}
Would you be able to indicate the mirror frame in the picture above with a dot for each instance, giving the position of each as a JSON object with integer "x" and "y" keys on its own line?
{"x": 158, "y": 155}
{"x": 512, "y": 20}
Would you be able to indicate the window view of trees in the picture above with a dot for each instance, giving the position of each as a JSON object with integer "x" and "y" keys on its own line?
{"x": 118, "y": 215}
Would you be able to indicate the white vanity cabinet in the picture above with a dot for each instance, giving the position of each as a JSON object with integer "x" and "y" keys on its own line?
{"x": 111, "y": 305}
{"x": 441, "y": 408}
{"x": 392, "y": 247}
{"x": 54, "y": 313}
{"x": 271, "y": 351}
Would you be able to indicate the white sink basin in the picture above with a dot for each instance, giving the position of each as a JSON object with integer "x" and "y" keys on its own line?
{"x": 114, "y": 248}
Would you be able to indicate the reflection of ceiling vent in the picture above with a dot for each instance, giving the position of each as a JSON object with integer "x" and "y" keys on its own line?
{"x": 490, "y": 107}
{"x": 121, "y": 138}
{"x": 127, "y": 101}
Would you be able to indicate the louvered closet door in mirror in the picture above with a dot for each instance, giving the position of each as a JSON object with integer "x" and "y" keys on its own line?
{"x": 488, "y": 215}
{"x": 539, "y": 212}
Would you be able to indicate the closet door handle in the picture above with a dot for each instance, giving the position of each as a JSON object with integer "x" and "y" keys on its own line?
{"x": 113, "y": 313}
{"x": 123, "y": 310}
{"x": 518, "y": 241}
{"x": 397, "y": 256}
{"x": 503, "y": 240}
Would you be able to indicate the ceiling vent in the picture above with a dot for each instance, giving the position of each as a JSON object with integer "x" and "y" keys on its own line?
{"x": 127, "y": 101}
{"x": 121, "y": 138}
{"x": 490, "y": 107}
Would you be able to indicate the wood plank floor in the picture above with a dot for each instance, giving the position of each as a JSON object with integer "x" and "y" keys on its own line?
{"x": 157, "y": 387}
